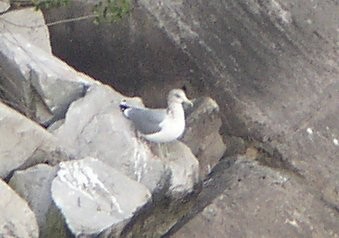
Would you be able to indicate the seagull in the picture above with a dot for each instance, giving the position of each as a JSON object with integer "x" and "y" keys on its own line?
{"x": 159, "y": 125}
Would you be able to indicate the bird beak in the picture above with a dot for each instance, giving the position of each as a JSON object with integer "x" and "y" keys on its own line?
{"x": 188, "y": 102}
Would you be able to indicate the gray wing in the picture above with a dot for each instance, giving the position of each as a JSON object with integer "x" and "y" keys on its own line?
{"x": 146, "y": 120}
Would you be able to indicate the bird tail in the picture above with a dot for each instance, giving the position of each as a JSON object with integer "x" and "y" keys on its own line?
{"x": 123, "y": 105}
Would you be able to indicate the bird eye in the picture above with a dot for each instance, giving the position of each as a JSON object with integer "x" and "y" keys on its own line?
{"x": 177, "y": 95}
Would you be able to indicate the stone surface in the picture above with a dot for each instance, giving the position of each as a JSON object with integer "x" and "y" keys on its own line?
{"x": 202, "y": 134}
{"x": 16, "y": 220}
{"x": 95, "y": 198}
{"x": 36, "y": 83}
{"x": 4, "y": 5}
{"x": 30, "y": 24}
{"x": 23, "y": 142}
{"x": 103, "y": 132}
{"x": 34, "y": 185}
{"x": 184, "y": 169}
{"x": 260, "y": 202}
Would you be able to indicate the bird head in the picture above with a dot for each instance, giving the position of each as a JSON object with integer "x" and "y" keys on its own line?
{"x": 178, "y": 96}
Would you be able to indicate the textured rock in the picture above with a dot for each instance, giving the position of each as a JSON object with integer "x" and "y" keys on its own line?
{"x": 35, "y": 82}
{"x": 16, "y": 220}
{"x": 184, "y": 169}
{"x": 34, "y": 185}
{"x": 260, "y": 202}
{"x": 202, "y": 134}
{"x": 23, "y": 142}
{"x": 102, "y": 132}
{"x": 95, "y": 198}
{"x": 30, "y": 24}
{"x": 4, "y": 5}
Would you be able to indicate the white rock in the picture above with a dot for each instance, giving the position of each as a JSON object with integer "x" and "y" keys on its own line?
{"x": 34, "y": 185}
{"x": 16, "y": 219}
{"x": 4, "y": 5}
{"x": 94, "y": 198}
{"x": 184, "y": 169}
{"x": 29, "y": 23}
{"x": 20, "y": 139}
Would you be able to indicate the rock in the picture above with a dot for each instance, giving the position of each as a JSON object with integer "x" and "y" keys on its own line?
{"x": 95, "y": 199}
{"x": 184, "y": 169}
{"x": 34, "y": 185}
{"x": 202, "y": 134}
{"x": 16, "y": 220}
{"x": 30, "y": 24}
{"x": 23, "y": 143}
{"x": 103, "y": 132}
{"x": 4, "y": 6}
{"x": 260, "y": 202}
{"x": 36, "y": 83}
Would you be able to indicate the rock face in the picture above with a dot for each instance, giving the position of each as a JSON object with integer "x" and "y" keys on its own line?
{"x": 17, "y": 219}
{"x": 95, "y": 198}
{"x": 259, "y": 202}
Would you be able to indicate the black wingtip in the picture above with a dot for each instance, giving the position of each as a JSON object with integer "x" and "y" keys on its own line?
{"x": 123, "y": 105}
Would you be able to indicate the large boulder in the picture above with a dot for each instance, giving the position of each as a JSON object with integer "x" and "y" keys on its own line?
{"x": 24, "y": 143}
{"x": 96, "y": 199}
{"x": 17, "y": 219}
{"x": 29, "y": 23}
{"x": 34, "y": 185}
{"x": 4, "y": 6}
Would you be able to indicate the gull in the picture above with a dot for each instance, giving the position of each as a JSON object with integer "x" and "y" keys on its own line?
{"x": 159, "y": 125}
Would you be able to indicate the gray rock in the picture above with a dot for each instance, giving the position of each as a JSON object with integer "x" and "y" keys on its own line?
{"x": 34, "y": 185}
{"x": 30, "y": 24}
{"x": 94, "y": 126}
{"x": 184, "y": 168}
{"x": 4, "y": 5}
{"x": 16, "y": 220}
{"x": 23, "y": 142}
{"x": 202, "y": 134}
{"x": 36, "y": 83}
{"x": 95, "y": 198}
{"x": 260, "y": 202}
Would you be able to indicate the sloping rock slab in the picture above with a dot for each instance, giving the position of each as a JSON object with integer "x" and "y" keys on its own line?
{"x": 16, "y": 219}
{"x": 22, "y": 141}
{"x": 95, "y": 198}
{"x": 35, "y": 82}
{"x": 261, "y": 202}
{"x": 94, "y": 126}
{"x": 34, "y": 185}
